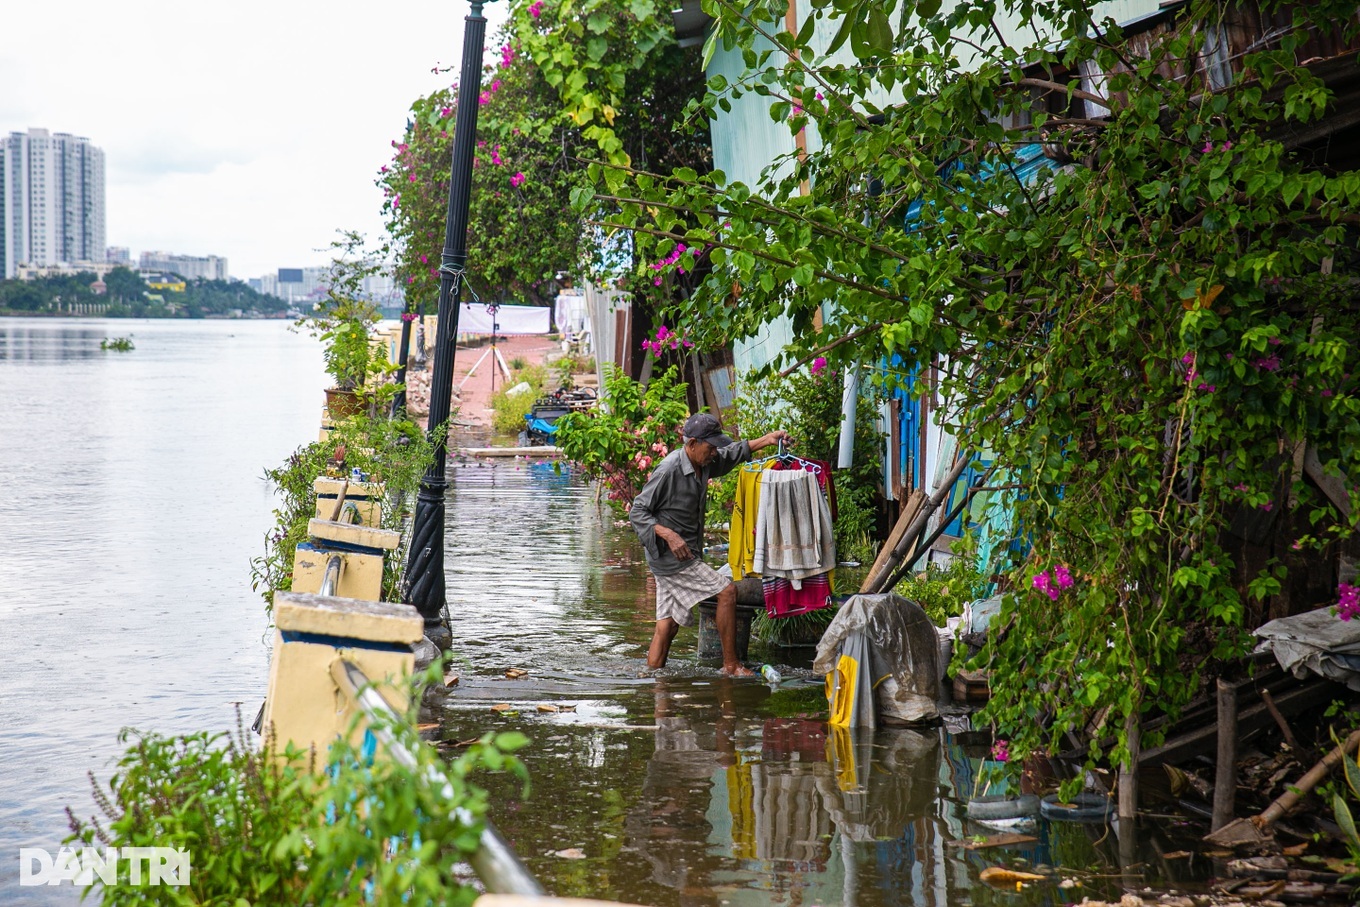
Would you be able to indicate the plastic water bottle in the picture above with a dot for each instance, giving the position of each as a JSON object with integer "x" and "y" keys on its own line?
{"x": 770, "y": 674}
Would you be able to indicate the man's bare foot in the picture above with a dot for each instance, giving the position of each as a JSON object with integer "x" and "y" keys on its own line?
{"x": 738, "y": 671}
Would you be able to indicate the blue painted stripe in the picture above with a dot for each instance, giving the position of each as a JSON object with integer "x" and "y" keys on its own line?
{"x": 344, "y": 642}
{"x": 323, "y": 546}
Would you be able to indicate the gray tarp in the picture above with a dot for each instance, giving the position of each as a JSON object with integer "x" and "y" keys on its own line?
{"x": 1316, "y": 641}
{"x": 904, "y": 652}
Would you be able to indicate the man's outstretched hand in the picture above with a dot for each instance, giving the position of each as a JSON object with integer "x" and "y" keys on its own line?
{"x": 770, "y": 439}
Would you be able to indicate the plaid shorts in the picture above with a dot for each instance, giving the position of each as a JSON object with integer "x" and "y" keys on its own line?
{"x": 678, "y": 593}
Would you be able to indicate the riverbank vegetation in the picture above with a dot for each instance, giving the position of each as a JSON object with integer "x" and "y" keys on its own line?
{"x": 264, "y": 826}
{"x": 126, "y": 295}
{"x": 531, "y": 157}
{"x": 393, "y": 452}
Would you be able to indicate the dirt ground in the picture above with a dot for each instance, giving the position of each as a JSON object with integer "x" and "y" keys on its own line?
{"x": 472, "y": 395}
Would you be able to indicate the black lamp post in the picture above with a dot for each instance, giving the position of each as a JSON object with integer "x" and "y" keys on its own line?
{"x": 425, "y": 565}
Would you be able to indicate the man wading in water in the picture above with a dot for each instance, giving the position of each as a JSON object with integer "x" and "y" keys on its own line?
{"x": 668, "y": 517}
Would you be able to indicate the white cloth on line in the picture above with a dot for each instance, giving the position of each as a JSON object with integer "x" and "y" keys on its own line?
{"x": 509, "y": 319}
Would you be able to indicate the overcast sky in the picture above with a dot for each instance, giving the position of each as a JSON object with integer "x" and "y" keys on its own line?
{"x": 251, "y": 129}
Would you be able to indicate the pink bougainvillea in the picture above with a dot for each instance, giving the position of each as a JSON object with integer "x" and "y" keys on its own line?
{"x": 1053, "y": 585}
{"x": 666, "y": 339}
{"x": 1348, "y": 601}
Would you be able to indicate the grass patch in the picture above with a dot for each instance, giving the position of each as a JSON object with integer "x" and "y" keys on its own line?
{"x": 509, "y": 410}
{"x": 796, "y": 702}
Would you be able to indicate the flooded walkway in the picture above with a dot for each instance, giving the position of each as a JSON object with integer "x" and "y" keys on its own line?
{"x": 685, "y": 787}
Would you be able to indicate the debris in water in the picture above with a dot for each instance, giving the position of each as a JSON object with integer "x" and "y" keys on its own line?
{"x": 1002, "y": 840}
{"x": 547, "y": 707}
{"x": 571, "y": 853}
{"x": 516, "y": 673}
{"x": 450, "y": 680}
{"x": 996, "y": 875}
{"x": 501, "y": 707}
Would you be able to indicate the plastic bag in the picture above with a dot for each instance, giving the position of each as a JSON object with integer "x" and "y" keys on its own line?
{"x": 902, "y": 659}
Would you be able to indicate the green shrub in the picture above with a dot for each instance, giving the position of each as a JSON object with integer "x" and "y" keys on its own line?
{"x": 394, "y": 452}
{"x": 943, "y": 591}
{"x": 509, "y": 410}
{"x": 621, "y": 441}
{"x": 262, "y": 828}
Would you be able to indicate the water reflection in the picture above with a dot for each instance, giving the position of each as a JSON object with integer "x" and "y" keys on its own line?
{"x": 50, "y": 340}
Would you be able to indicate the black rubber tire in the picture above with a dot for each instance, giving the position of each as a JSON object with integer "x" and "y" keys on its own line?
{"x": 998, "y": 808}
{"x": 1081, "y": 808}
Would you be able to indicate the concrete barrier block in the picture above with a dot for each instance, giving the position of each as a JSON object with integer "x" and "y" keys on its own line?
{"x": 365, "y": 496}
{"x": 361, "y": 572}
{"x": 304, "y": 706}
{"x": 360, "y": 538}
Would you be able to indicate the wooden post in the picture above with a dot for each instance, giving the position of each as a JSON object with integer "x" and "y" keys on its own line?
{"x": 1128, "y": 772}
{"x": 905, "y": 550}
{"x": 1225, "y": 773}
{"x": 899, "y": 529}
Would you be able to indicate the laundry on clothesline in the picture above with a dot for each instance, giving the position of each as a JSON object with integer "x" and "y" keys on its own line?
{"x": 794, "y": 538}
{"x": 783, "y": 531}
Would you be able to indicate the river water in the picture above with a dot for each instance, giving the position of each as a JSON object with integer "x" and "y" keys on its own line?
{"x": 133, "y": 501}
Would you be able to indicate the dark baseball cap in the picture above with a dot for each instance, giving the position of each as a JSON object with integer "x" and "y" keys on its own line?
{"x": 705, "y": 427}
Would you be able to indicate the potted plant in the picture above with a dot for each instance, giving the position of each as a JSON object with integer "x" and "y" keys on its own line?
{"x": 343, "y": 320}
{"x": 349, "y": 356}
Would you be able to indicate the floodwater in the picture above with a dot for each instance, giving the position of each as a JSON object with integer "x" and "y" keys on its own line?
{"x": 688, "y": 788}
{"x": 132, "y": 502}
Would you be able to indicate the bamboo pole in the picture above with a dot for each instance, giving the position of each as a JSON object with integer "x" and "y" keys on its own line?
{"x": 906, "y": 546}
{"x": 1225, "y": 772}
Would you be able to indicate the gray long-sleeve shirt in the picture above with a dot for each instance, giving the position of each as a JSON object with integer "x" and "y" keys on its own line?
{"x": 676, "y": 496}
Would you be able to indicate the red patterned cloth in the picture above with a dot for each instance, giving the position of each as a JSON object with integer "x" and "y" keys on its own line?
{"x": 782, "y": 600}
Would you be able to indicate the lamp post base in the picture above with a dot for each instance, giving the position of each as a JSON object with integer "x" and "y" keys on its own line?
{"x": 439, "y": 635}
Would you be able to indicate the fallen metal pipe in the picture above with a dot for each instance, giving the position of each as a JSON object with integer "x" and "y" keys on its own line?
{"x": 331, "y": 580}
{"x": 495, "y": 862}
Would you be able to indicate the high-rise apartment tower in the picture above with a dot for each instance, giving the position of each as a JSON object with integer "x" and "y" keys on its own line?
{"x": 51, "y": 200}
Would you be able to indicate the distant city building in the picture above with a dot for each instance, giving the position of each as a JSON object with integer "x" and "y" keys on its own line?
{"x": 309, "y": 285}
{"x": 51, "y": 200}
{"x": 166, "y": 282}
{"x": 99, "y": 269}
{"x": 118, "y": 255}
{"x": 191, "y": 267}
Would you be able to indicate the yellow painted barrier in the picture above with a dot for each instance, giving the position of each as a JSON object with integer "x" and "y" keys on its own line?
{"x": 310, "y": 631}
{"x": 360, "y": 549}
